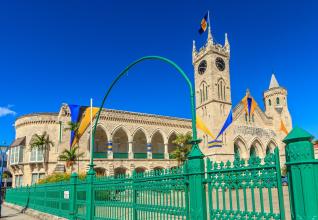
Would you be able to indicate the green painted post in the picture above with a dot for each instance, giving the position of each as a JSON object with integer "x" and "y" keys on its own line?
{"x": 73, "y": 196}
{"x": 135, "y": 194}
{"x": 89, "y": 195}
{"x": 301, "y": 175}
{"x": 195, "y": 166}
{"x": 279, "y": 184}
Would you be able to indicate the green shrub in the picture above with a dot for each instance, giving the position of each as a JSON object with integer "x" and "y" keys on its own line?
{"x": 59, "y": 177}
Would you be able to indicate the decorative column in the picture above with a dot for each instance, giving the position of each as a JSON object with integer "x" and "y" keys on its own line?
{"x": 110, "y": 150}
{"x": 149, "y": 151}
{"x": 130, "y": 150}
{"x": 302, "y": 175}
{"x": 166, "y": 153}
{"x": 197, "y": 193}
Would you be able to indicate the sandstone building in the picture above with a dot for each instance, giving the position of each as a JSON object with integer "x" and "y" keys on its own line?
{"x": 144, "y": 141}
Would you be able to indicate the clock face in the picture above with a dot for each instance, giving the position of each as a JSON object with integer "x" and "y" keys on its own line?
{"x": 202, "y": 67}
{"x": 220, "y": 64}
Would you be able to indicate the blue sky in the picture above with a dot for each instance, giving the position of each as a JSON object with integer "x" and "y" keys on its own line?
{"x": 69, "y": 51}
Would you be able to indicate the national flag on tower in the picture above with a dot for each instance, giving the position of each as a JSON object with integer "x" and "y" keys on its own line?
{"x": 204, "y": 23}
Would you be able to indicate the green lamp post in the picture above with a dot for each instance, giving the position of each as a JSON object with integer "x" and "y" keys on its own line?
{"x": 195, "y": 164}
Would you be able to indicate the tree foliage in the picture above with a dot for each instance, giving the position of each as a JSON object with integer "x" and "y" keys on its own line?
{"x": 41, "y": 142}
{"x": 70, "y": 156}
{"x": 183, "y": 142}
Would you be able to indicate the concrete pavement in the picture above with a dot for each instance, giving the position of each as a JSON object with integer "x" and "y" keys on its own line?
{"x": 12, "y": 214}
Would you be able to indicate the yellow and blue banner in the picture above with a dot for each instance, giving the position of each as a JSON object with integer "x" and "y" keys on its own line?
{"x": 84, "y": 122}
{"x": 204, "y": 23}
{"x": 249, "y": 104}
{"x": 283, "y": 127}
{"x": 226, "y": 124}
{"x": 200, "y": 125}
{"x": 75, "y": 113}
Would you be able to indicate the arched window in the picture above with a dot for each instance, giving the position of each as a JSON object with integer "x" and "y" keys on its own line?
{"x": 206, "y": 93}
{"x": 221, "y": 89}
{"x": 269, "y": 102}
{"x": 203, "y": 92}
{"x": 245, "y": 117}
{"x": 120, "y": 144}
{"x": 277, "y": 101}
{"x": 236, "y": 152}
{"x": 268, "y": 150}
{"x": 252, "y": 152}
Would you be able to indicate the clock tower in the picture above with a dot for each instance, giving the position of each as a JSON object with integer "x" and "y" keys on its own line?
{"x": 212, "y": 85}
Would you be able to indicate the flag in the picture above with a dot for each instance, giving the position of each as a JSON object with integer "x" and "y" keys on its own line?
{"x": 84, "y": 123}
{"x": 226, "y": 124}
{"x": 75, "y": 112}
{"x": 249, "y": 104}
{"x": 200, "y": 125}
{"x": 204, "y": 24}
{"x": 282, "y": 127}
{"x": 218, "y": 143}
{"x": 215, "y": 144}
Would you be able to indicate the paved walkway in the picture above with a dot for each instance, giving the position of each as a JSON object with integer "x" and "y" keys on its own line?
{"x": 12, "y": 214}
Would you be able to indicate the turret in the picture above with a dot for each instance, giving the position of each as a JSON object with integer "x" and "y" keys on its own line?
{"x": 275, "y": 102}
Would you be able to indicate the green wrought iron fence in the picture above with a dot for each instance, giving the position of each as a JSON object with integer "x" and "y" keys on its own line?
{"x": 233, "y": 190}
{"x": 245, "y": 189}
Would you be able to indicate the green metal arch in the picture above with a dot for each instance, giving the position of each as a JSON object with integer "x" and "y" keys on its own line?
{"x": 174, "y": 65}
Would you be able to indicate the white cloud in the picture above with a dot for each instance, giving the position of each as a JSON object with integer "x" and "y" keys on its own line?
{"x": 4, "y": 111}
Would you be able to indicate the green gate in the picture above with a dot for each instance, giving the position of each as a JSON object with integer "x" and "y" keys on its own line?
{"x": 245, "y": 190}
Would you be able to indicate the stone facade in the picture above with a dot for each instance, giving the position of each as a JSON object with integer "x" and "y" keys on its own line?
{"x": 258, "y": 133}
{"x": 143, "y": 141}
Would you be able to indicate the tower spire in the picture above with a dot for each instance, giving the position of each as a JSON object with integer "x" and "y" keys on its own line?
{"x": 194, "y": 50}
{"x": 226, "y": 43}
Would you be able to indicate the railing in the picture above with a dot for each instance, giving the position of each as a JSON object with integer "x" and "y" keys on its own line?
{"x": 100, "y": 154}
{"x": 157, "y": 156}
{"x": 121, "y": 155}
{"x": 151, "y": 195}
{"x": 140, "y": 155}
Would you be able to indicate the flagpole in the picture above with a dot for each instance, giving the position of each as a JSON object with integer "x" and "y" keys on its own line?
{"x": 91, "y": 133}
{"x": 209, "y": 19}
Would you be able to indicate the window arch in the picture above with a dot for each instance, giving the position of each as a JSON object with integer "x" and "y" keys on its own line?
{"x": 203, "y": 92}
{"x": 277, "y": 101}
{"x": 253, "y": 152}
{"x": 269, "y": 102}
{"x": 221, "y": 89}
{"x": 268, "y": 150}
{"x": 236, "y": 152}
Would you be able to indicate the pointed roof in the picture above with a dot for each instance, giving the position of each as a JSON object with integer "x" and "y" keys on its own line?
{"x": 297, "y": 134}
{"x": 273, "y": 83}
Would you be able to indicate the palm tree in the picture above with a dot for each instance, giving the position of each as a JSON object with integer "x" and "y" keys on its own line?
{"x": 183, "y": 142}
{"x": 70, "y": 156}
{"x": 41, "y": 142}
